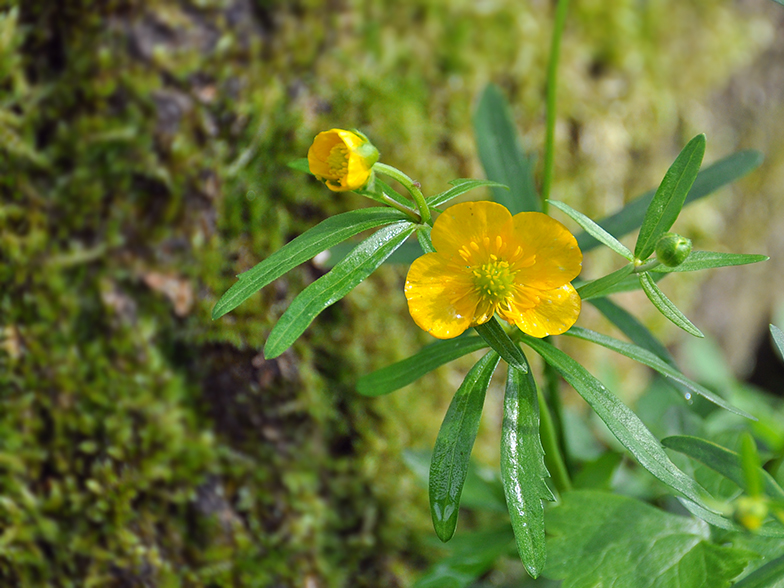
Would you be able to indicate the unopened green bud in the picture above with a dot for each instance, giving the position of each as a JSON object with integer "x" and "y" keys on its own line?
{"x": 750, "y": 512}
{"x": 672, "y": 249}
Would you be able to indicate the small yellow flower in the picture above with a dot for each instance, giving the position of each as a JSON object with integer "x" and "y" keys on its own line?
{"x": 343, "y": 160}
{"x": 489, "y": 261}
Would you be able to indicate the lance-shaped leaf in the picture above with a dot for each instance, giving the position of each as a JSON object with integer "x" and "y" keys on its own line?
{"x": 718, "y": 458}
{"x": 768, "y": 576}
{"x": 454, "y": 443}
{"x": 771, "y": 529}
{"x": 402, "y": 373}
{"x": 778, "y": 339}
{"x": 605, "y": 285}
{"x": 670, "y": 196}
{"x": 700, "y": 260}
{"x": 326, "y": 234}
{"x": 594, "y": 230}
{"x": 622, "y": 422}
{"x": 503, "y": 159}
{"x": 665, "y": 305}
{"x": 723, "y": 172}
{"x": 632, "y": 328}
{"x": 495, "y": 336}
{"x": 328, "y": 289}
{"x": 648, "y": 358}
{"x": 425, "y": 242}
{"x": 459, "y": 187}
{"x": 523, "y": 470}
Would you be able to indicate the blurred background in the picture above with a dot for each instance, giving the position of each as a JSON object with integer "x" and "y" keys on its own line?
{"x": 143, "y": 152}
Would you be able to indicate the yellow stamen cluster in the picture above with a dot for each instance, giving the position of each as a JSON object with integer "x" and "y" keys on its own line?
{"x": 338, "y": 160}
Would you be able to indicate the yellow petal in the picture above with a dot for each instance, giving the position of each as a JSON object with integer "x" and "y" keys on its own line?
{"x": 557, "y": 258}
{"x": 441, "y": 296}
{"x": 556, "y": 311}
{"x": 470, "y": 222}
{"x": 319, "y": 153}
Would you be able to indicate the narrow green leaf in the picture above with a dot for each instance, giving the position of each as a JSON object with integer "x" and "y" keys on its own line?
{"x": 390, "y": 192}
{"x": 700, "y": 260}
{"x": 423, "y": 236}
{"x": 594, "y": 230}
{"x": 632, "y": 328}
{"x": 460, "y": 187}
{"x": 622, "y": 422}
{"x": 454, "y": 443}
{"x": 300, "y": 165}
{"x": 328, "y": 289}
{"x": 723, "y": 172}
{"x": 778, "y": 339}
{"x": 650, "y": 359}
{"x": 326, "y": 234}
{"x": 771, "y": 575}
{"x": 523, "y": 471}
{"x": 402, "y": 373}
{"x": 600, "y": 539}
{"x": 603, "y": 286}
{"x": 771, "y": 529}
{"x": 670, "y": 197}
{"x": 722, "y": 460}
{"x": 750, "y": 461}
{"x": 629, "y": 283}
{"x": 665, "y": 305}
{"x": 495, "y": 336}
{"x": 503, "y": 159}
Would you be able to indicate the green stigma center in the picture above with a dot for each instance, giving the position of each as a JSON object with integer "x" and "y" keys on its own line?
{"x": 338, "y": 160}
{"x": 494, "y": 279}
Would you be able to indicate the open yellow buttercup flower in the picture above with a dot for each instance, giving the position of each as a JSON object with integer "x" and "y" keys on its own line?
{"x": 343, "y": 160}
{"x": 489, "y": 261}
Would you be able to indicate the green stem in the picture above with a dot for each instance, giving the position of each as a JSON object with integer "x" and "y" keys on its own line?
{"x": 552, "y": 452}
{"x": 408, "y": 184}
{"x": 394, "y": 204}
{"x": 552, "y": 83}
{"x": 644, "y": 267}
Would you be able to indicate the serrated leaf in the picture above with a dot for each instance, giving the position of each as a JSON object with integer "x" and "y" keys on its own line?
{"x": 495, "y": 336}
{"x": 665, "y": 305}
{"x": 722, "y": 460}
{"x": 622, "y": 422}
{"x": 402, "y": 373}
{"x": 670, "y": 197}
{"x": 453, "y": 446}
{"x": 460, "y": 187}
{"x": 594, "y": 230}
{"x": 523, "y": 471}
{"x": 771, "y": 575}
{"x": 700, "y": 260}
{"x": 603, "y": 539}
{"x": 650, "y": 359}
{"x": 778, "y": 339}
{"x": 502, "y": 158}
{"x": 723, "y": 172}
{"x": 328, "y": 289}
{"x": 326, "y": 234}
{"x": 605, "y": 285}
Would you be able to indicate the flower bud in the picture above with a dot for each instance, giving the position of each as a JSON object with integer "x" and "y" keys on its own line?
{"x": 343, "y": 160}
{"x": 672, "y": 249}
{"x": 750, "y": 512}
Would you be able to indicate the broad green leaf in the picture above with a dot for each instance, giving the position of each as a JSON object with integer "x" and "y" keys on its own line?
{"x": 665, "y": 305}
{"x": 495, "y": 336}
{"x": 600, "y": 539}
{"x": 326, "y": 234}
{"x": 503, "y": 159}
{"x": 723, "y": 172}
{"x": 301, "y": 165}
{"x": 603, "y": 286}
{"x": 700, "y": 260}
{"x": 778, "y": 339}
{"x": 472, "y": 554}
{"x": 670, "y": 197}
{"x": 622, "y": 422}
{"x": 328, "y": 289}
{"x": 653, "y": 361}
{"x": 771, "y": 575}
{"x": 632, "y": 328}
{"x": 453, "y": 446}
{"x": 523, "y": 470}
{"x": 460, "y": 187}
{"x": 722, "y": 460}
{"x": 402, "y": 373}
{"x": 594, "y": 230}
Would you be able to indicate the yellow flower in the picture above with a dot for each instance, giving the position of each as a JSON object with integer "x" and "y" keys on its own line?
{"x": 489, "y": 261}
{"x": 343, "y": 160}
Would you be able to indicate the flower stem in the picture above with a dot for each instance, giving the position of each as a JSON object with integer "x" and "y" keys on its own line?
{"x": 644, "y": 267}
{"x": 552, "y": 83}
{"x": 552, "y": 452}
{"x": 408, "y": 184}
